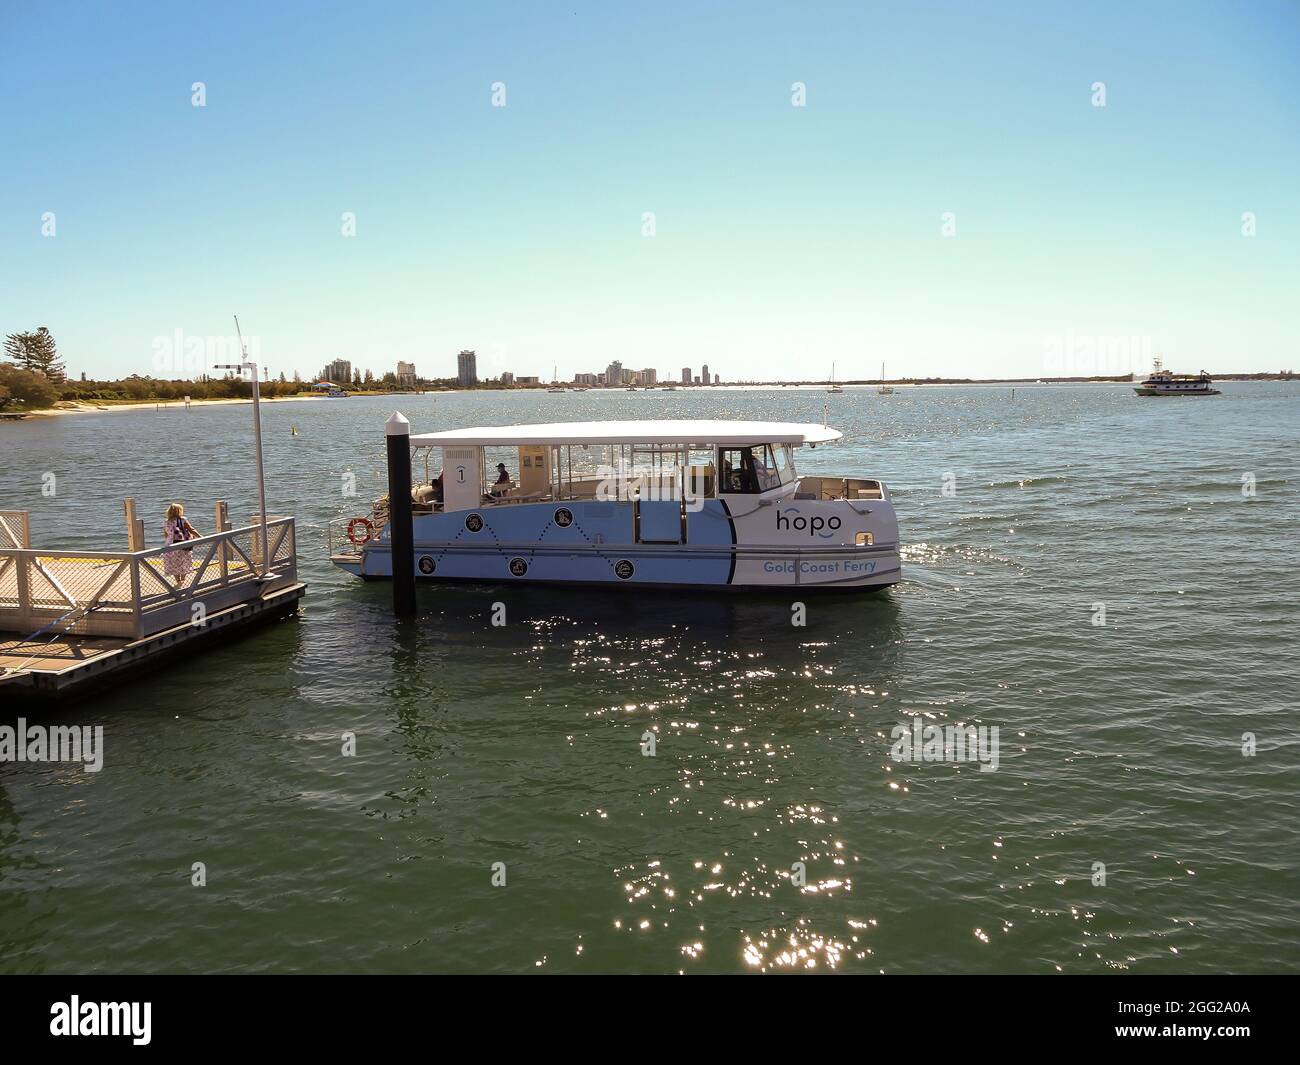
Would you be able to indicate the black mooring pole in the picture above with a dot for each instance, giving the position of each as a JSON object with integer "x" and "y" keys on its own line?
{"x": 401, "y": 537}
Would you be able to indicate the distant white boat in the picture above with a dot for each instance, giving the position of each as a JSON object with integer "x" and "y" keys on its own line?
{"x": 1163, "y": 383}
{"x": 884, "y": 389}
{"x": 834, "y": 388}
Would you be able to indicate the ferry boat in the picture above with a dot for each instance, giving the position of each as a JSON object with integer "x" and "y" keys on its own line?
{"x": 1163, "y": 383}
{"x": 670, "y": 503}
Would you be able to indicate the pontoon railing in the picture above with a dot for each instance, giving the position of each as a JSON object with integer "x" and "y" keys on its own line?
{"x": 132, "y": 593}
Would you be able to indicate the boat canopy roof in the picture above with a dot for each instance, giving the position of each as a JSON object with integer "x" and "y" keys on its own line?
{"x": 661, "y": 431}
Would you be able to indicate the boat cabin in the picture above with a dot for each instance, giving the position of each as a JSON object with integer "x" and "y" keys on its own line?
{"x": 465, "y": 469}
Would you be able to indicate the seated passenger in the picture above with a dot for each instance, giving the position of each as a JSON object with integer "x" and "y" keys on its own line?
{"x": 437, "y": 488}
{"x": 503, "y": 479}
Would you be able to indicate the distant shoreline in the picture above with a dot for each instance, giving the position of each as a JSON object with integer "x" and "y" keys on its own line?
{"x": 905, "y": 382}
{"x": 85, "y": 407}
{"x": 1124, "y": 379}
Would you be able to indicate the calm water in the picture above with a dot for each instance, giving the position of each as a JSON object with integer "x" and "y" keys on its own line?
{"x": 1119, "y": 744}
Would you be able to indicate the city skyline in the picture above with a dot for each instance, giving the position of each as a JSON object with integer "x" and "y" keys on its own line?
{"x": 342, "y": 371}
{"x": 1049, "y": 193}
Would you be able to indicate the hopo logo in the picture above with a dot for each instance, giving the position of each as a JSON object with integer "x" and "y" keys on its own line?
{"x": 812, "y": 526}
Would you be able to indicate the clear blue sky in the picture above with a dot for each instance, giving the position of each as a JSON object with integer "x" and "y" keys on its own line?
{"x": 786, "y": 238}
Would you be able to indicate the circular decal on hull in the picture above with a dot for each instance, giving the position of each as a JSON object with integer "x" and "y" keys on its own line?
{"x": 623, "y": 569}
{"x": 518, "y": 567}
{"x": 474, "y": 523}
{"x": 564, "y": 517}
{"x": 427, "y": 565}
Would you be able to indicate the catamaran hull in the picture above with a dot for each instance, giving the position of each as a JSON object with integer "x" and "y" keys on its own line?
{"x": 858, "y": 573}
{"x": 804, "y": 545}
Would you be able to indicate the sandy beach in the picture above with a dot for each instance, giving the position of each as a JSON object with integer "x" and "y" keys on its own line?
{"x": 150, "y": 404}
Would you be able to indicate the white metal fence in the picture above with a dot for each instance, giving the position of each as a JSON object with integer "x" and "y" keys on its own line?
{"x": 138, "y": 593}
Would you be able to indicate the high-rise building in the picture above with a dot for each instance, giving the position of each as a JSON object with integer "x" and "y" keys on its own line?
{"x": 686, "y": 375}
{"x": 704, "y": 373}
{"x": 466, "y": 369}
{"x": 649, "y": 377}
{"x": 614, "y": 374}
{"x": 339, "y": 371}
{"x": 405, "y": 374}
{"x": 585, "y": 379}
{"x": 507, "y": 378}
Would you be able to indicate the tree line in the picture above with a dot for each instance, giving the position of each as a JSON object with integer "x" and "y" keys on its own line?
{"x": 35, "y": 378}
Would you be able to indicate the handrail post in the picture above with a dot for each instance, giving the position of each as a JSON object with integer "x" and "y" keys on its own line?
{"x": 24, "y": 591}
{"x": 221, "y": 522}
{"x": 134, "y": 527}
{"x": 137, "y": 609}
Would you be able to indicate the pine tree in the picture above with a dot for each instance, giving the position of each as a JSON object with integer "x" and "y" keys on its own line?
{"x": 36, "y": 352}
{"x": 47, "y": 356}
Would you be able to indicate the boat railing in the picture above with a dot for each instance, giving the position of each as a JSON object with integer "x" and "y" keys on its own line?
{"x": 812, "y": 486}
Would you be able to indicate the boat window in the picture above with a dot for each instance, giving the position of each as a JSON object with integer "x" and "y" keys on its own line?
{"x": 784, "y": 463}
{"x": 699, "y": 473}
{"x": 737, "y": 466}
{"x": 748, "y": 469}
{"x": 765, "y": 467}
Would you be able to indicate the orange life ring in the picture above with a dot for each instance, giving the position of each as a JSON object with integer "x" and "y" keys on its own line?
{"x": 352, "y": 530}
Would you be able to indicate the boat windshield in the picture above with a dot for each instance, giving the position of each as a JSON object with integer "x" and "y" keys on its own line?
{"x": 754, "y": 469}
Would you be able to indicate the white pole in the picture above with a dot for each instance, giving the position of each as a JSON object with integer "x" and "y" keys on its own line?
{"x": 261, "y": 474}
{"x": 251, "y": 366}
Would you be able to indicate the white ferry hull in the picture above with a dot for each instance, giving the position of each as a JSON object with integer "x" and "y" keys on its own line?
{"x": 780, "y": 543}
{"x": 1145, "y": 390}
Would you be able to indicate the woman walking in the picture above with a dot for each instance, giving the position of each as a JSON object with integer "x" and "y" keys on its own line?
{"x": 177, "y": 529}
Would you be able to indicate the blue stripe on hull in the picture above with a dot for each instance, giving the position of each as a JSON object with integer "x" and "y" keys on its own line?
{"x": 602, "y": 533}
